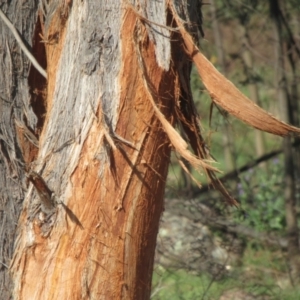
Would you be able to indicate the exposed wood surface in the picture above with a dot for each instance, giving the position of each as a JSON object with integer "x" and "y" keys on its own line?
{"x": 103, "y": 154}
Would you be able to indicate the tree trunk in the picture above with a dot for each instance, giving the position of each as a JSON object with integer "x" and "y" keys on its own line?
{"x": 252, "y": 86}
{"x": 226, "y": 137}
{"x": 289, "y": 166}
{"x": 97, "y": 159}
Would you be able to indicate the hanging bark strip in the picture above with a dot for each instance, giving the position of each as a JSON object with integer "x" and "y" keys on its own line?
{"x": 190, "y": 123}
{"x": 224, "y": 93}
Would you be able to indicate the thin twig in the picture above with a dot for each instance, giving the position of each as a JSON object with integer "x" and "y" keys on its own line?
{"x": 22, "y": 45}
{"x": 235, "y": 173}
{"x": 151, "y": 22}
{"x": 5, "y": 265}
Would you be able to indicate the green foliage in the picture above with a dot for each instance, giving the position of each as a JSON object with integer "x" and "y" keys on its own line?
{"x": 261, "y": 196}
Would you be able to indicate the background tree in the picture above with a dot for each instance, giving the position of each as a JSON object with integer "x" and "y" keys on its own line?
{"x": 288, "y": 105}
{"x": 93, "y": 140}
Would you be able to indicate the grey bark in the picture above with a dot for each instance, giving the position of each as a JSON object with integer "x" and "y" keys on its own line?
{"x": 15, "y": 100}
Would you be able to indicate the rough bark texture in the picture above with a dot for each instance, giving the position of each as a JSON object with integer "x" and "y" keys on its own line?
{"x": 16, "y": 97}
{"x": 97, "y": 156}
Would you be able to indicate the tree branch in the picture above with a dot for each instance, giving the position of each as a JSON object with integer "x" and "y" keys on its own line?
{"x": 235, "y": 173}
{"x": 22, "y": 45}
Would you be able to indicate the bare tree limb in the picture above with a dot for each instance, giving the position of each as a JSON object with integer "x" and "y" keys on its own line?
{"x": 235, "y": 173}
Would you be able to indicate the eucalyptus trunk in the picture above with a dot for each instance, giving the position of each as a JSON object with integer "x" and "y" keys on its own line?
{"x": 88, "y": 142}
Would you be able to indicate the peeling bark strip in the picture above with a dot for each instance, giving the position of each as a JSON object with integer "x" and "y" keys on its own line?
{"x": 224, "y": 93}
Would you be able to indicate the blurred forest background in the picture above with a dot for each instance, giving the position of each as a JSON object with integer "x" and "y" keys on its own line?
{"x": 207, "y": 250}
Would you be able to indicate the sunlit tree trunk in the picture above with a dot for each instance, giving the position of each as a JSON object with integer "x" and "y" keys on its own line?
{"x": 89, "y": 143}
